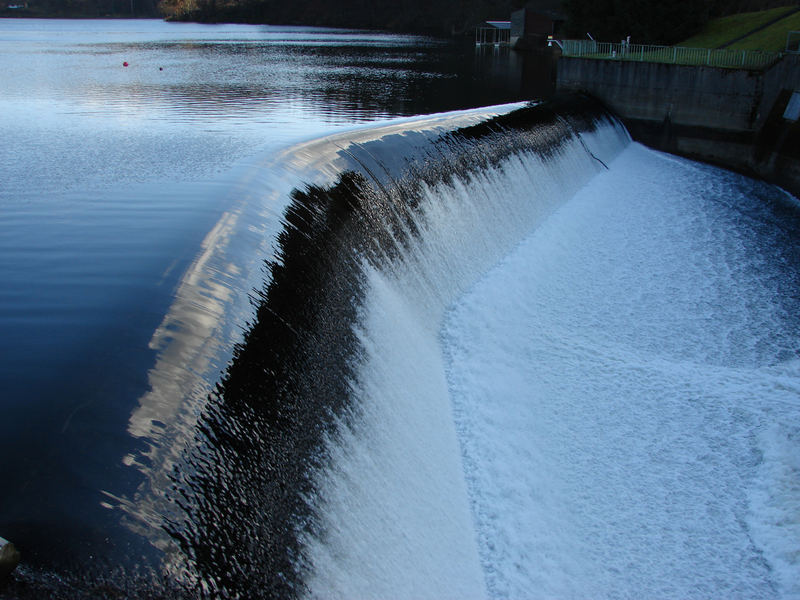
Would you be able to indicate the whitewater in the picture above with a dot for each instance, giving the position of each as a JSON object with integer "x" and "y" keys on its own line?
{"x": 625, "y": 387}
{"x": 578, "y": 379}
{"x": 502, "y": 352}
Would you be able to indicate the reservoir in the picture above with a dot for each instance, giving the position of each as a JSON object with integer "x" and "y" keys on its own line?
{"x": 295, "y": 312}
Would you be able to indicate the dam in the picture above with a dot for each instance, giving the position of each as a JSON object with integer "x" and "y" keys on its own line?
{"x": 505, "y": 356}
{"x": 493, "y": 352}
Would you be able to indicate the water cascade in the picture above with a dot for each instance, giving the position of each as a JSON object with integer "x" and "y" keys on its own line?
{"x": 462, "y": 334}
{"x": 330, "y": 439}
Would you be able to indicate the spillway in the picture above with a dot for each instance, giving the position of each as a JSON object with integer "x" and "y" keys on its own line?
{"x": 334, "y": 418}
{"x": 499, "y": 353}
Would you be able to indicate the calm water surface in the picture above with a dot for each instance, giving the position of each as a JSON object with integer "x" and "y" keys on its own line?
{"x": 122, "y": 187}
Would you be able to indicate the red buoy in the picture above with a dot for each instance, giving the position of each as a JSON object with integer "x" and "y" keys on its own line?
{"x": 125, "y": 64}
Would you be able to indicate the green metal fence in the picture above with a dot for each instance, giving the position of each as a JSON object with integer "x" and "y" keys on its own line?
{"x": 736, "y": 59}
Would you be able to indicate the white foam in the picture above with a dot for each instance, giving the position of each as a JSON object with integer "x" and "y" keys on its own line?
{"x": 774, "y": 516}
{"x": 394, "y": 510}
{"x": 624, "y": 399}
{"x": 397, "y": 522}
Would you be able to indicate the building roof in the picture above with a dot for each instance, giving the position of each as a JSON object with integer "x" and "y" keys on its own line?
{"x": 499, "y": 24}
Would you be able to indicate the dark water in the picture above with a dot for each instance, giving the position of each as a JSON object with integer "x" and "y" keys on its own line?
{"x": 135, "y": 212}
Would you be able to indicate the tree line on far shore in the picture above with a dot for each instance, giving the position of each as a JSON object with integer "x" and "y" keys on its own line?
{"x": 80, "y": 8}
{"x": 438, "y": 17}
{"x": 646, "y": 21}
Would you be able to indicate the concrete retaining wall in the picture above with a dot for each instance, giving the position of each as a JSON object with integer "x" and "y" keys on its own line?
{"x": 731, "y": 117}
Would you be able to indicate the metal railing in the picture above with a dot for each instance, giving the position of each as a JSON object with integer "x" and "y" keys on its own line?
{"x": 736, "y": 59}
{"x": 492, "y": 36}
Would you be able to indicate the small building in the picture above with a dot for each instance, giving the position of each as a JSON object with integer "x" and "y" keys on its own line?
{"x": 531, "y": 25}
{"x": 495, "y": 33}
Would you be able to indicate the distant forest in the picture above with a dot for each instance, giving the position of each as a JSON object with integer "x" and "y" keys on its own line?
{"x": 80, "y": 8}
{"x": 646, "y": 21}
{"x": 424, "y": 16}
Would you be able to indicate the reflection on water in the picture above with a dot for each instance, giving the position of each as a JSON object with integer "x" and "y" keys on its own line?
{"x": 252, "y": 64}
{"x": 136, "y": 207}
{"x": 194, "y": 98}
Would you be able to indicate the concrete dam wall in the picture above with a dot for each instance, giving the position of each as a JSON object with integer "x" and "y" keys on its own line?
{"x": 736, "y": 118}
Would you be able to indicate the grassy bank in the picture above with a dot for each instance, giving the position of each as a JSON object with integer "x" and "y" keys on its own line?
{"x": 719, "y": 32}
